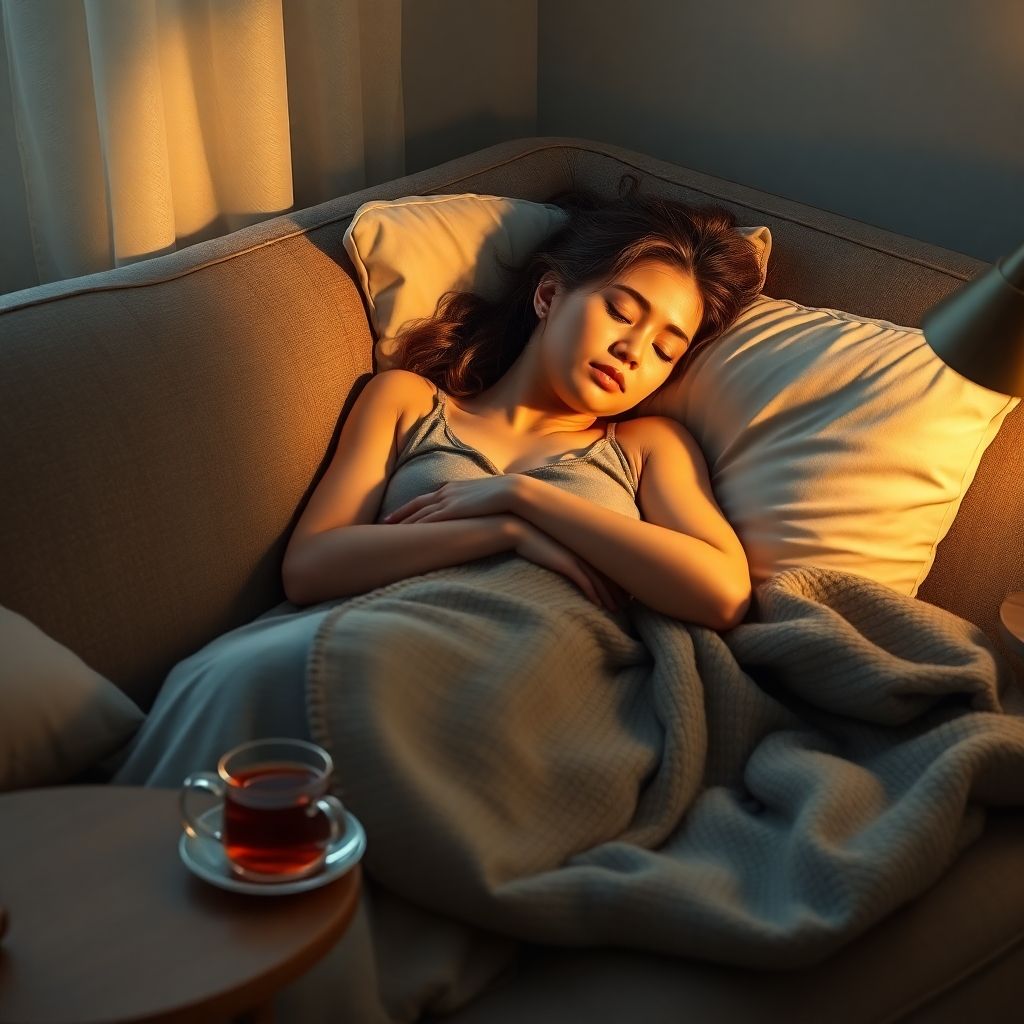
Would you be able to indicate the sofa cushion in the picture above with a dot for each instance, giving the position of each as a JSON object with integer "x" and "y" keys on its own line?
{"x": 833, "y": 439}
{"x": 408, "y": 252}
{"x": 58, "y": 717}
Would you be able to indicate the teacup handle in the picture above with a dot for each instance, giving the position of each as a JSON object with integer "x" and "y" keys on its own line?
{"x": 212, "y": 784}
{"x": 335, "y": 811}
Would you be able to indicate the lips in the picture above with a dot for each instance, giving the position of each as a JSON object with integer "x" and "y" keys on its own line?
{"x": 613, "y": 373}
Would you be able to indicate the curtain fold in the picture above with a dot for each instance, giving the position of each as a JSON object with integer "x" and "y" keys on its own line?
{"x": 132, "y": 128}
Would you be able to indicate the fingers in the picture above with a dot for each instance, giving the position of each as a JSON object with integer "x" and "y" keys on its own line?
{"x": 578, "y": 575}
{"x": 415, "y": 514}
{"x": 589, "y": 588}
{"x": 619, "y": 594}
{"x": 606, "y": 594}
{"x": 596, "y": 588}
{"x": 599, "y": 590}
{"x": 427, "y": 514}
{"x": 614, "y": 591}
{"x": 410, "y": 507}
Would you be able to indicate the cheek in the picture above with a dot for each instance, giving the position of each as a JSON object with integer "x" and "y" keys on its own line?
{"x": 570, "y": 345}
{"x": 590, "y": 324}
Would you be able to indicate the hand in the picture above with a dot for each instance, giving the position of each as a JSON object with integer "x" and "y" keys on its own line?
{"x": 459, "y": 499}
{"x": 538, "y": 547}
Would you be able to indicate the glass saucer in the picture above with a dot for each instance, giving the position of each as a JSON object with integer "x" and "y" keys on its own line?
{"x": 206, "y": 858}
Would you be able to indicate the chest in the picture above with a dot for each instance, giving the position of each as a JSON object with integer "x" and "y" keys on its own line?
{"x": 511, "y": 454}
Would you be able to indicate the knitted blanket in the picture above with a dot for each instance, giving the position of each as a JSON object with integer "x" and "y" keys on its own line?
{"x": 532, "y": 766}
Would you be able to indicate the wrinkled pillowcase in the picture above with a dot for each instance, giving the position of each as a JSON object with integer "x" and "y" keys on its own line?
{"x": 408, "y": 252}
{"x": 833, "y": 439}
{"x": 57, "y": 716}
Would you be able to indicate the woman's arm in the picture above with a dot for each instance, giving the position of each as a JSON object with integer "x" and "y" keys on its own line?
{"x": 685, "y": 560}
{"x": 354, "y": 559}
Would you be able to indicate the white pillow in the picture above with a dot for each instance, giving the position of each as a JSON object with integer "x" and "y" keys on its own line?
{"x": 408, "y": 252}
{"x": 833, "y": 439}
{"x": 58, "y": 717}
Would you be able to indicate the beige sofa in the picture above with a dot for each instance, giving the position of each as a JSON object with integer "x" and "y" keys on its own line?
{"x": 164, "y": 423}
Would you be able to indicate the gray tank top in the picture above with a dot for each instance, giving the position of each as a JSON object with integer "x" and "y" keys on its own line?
{"x": 433, "y": 455}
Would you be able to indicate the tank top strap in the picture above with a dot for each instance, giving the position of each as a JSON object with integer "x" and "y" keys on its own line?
{"x": 433, "y": 454}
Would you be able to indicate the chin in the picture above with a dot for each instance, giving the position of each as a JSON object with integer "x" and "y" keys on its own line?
{"x": 626, "y": 414}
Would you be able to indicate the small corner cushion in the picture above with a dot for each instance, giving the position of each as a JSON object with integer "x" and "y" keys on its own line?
{"x": 408, "y": 252}
{"x": 57, "y": 715}
{"x": 833, "y": 439}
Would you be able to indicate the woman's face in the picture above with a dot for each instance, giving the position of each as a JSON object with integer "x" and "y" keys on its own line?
{"x": 632, "y": 325}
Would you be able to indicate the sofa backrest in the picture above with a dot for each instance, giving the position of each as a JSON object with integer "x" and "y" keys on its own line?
{"x": 164, "y": 423}
{"x": 160, "y": 427}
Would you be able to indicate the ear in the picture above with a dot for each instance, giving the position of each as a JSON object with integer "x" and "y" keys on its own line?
{"x": 545, "y": 292}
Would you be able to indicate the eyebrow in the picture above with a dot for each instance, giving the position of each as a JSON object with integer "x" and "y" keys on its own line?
{"x": 647, "y": 308}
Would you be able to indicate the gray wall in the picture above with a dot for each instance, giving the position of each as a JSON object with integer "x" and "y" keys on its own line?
{"x": 16, "y": 271}
{"x": 907, "y": 114}
{"x": 469, "y": 71}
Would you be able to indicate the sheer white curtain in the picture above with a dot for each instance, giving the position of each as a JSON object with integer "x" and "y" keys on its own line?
{"x": 131, "y": 128}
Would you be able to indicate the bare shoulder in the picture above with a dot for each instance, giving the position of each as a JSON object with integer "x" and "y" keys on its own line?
{"x": 644, "y": 435}
{"x": 675, "y": 490}
{"x": 403, "y": 382}
{"x": 413, "y": 394}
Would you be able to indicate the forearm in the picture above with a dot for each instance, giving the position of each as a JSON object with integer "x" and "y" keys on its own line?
{"x": 671, "y": 572}
{"x": 354, "y": 559}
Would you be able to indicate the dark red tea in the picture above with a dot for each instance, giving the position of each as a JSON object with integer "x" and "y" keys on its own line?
{"x": 267, "y": 824}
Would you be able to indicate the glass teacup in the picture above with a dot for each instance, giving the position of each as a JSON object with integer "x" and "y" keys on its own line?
{"x": 279, "y": 822}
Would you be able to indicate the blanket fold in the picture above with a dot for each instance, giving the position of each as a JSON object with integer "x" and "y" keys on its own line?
{"x": 530, "y": 764}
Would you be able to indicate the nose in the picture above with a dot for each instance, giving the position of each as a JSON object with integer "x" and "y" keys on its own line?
{"x": 626, "y": 354}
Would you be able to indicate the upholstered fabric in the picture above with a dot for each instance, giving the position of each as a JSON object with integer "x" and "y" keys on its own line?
{"x": 58, "y": 717}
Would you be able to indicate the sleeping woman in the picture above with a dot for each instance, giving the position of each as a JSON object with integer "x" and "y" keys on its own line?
{"x": 506, "y": 432}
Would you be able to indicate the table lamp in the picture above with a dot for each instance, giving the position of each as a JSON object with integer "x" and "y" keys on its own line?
{"x": 979, "y": 332}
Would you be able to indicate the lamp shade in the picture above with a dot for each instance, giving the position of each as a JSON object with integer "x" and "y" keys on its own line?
{"x": 979, "y": 329}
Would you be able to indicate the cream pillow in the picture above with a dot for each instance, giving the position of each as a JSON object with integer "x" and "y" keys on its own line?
{"x": 408, "y": 252}
{"x": 57, "y": 716}
{"x": 833, "y": 439}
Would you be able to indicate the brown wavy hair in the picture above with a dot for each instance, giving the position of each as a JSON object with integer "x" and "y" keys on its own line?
{"x": 470, "y": 341}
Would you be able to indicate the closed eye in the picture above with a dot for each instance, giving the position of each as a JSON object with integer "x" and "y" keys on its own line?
{"x": 618, "y": 316}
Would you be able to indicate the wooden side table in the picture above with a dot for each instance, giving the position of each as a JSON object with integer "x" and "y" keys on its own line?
{"x": 105, "y": 923}
{"x": 1011, "y": 617}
